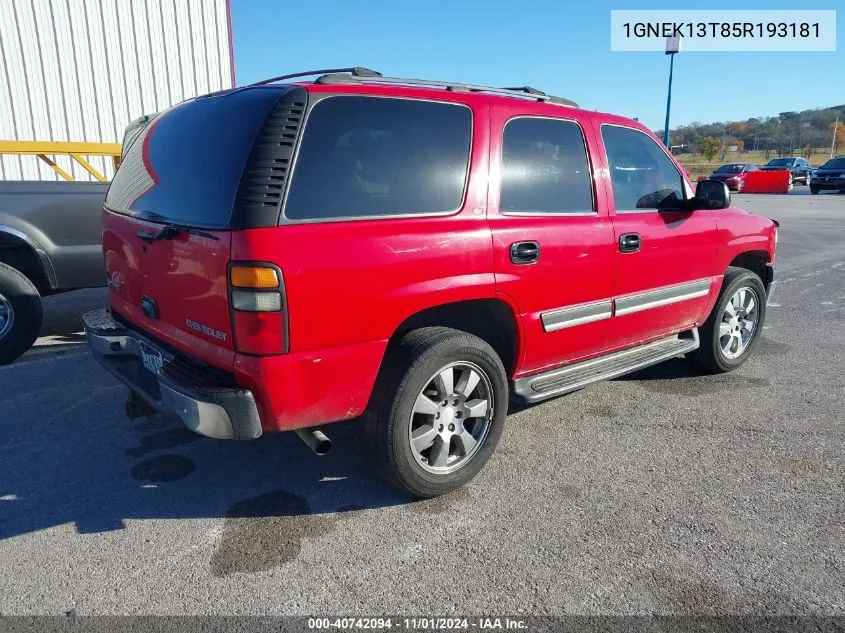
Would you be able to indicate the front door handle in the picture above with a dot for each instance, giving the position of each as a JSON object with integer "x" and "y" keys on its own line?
{"x": 525, "y": 252}
{"x": 629, "y": 242}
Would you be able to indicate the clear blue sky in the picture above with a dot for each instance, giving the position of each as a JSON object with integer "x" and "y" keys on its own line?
{"x": 561, "y": 47}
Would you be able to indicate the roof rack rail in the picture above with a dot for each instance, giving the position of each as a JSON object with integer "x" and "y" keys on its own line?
{"x": 337, "y": 77}
{"x": 355, "y": 71}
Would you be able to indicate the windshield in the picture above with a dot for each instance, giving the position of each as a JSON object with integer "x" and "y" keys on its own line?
{"x": 781, "y": 162}
{"x": 834, "y": 163}
{"x": 729, "y": 169}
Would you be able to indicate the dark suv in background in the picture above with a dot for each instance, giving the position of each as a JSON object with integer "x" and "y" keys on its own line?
{"x": 829, "y": 176}
{"x": 799, "y": 168}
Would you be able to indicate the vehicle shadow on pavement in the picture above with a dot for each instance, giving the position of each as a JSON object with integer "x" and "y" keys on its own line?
{"x": 86, "y": 464}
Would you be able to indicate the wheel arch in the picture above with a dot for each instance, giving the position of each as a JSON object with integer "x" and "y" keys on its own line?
{"x": 492, "y": 320}
{"x": 757, "y": 261}
{"x": 21, "y": 252}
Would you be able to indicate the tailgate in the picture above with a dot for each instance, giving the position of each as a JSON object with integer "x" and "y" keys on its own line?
{"x": 174, "y": 289}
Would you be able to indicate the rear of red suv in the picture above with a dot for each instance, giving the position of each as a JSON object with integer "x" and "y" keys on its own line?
{"x": 209, "y": 273}
{"x": 181, "y": 309}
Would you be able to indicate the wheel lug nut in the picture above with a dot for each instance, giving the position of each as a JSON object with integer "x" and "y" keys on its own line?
{"x": 451, "y": 427}
{"x": 440, "y": 428}
{"x": 436, "y": 416}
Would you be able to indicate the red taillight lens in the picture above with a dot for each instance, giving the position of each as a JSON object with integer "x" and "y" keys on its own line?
{"x": 259, "y": 333}
{"x": 259, "y": 313}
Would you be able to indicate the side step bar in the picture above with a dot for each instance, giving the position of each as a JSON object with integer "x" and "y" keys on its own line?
{"x": 572, "y": 377}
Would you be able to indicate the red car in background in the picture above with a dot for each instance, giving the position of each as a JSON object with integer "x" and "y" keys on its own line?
{"x": 733, "y": 174}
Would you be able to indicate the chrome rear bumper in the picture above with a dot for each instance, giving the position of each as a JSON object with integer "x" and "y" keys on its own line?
{"x": 206, "y": 402}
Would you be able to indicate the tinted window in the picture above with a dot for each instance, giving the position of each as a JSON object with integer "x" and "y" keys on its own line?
{"x": 729, "y": 169}
{"x": 834, "y": 163}
{"x": 544, "y": 167}
{"x": 372, "y": 156}
{"x": 643, "y": 177}
{"x": 185, "y": 166}
{"x": 780, "y": 162}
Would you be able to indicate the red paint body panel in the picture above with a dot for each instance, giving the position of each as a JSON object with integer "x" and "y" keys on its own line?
{"x": 185, "y": 276}
{"x": 350, "y": 284}
{"x": 576, "y": 262}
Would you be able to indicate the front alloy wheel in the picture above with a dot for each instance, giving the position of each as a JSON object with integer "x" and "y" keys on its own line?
{"x": 739, "y": 323}
{"x": 734, "y": 325}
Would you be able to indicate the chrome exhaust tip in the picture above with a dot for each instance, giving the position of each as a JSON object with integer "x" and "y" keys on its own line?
{"x": 316, "y": 440}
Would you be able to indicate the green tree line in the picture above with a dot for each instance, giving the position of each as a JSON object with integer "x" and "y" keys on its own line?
{"x": 788, "y": 133}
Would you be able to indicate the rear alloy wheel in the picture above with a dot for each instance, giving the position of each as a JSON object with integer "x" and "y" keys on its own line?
{"x": 20, "y": 314}
{"x": 735, "y": 323}
{"x": 437, "y": 411}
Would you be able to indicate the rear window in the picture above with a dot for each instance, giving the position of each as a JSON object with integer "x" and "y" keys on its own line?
{"x": 185, "y": 166}
{"x": 377, "y": 156}
{"x": 729, "y": 169}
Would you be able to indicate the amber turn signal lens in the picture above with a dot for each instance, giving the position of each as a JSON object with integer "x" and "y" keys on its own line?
{"x": 253, "y": 277}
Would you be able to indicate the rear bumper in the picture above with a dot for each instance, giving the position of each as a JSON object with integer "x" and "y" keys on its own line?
{"x": 205, "y": 402}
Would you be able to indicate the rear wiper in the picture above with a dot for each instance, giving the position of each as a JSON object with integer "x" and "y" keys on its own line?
{"x": 169, "y": 231}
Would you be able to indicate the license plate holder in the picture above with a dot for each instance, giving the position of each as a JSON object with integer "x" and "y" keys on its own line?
{"x": 152, "y": 359}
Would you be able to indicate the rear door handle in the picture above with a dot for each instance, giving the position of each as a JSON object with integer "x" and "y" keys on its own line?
{"x": 525, "y": 252}
{"x": 629, "y": 242}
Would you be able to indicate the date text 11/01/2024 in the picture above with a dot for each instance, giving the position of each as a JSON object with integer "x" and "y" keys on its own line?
{"x": 721, "y": 29}
{"x": 422, "y": 623}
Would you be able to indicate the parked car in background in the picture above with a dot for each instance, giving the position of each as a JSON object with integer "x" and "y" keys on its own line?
{"x": 49, "y": 243}
{"x": 799, "y": 168}
{"x": 406, "y": 268}
{"x": 830, "y": 176}
{"x": 733, "y": 174}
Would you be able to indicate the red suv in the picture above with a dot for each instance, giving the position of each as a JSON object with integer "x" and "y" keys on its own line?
{"x": 285, "y": 255}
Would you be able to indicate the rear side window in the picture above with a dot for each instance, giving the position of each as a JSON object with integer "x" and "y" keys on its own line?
{"x": 544, "y": 167}
{"x": 643, "y": 177}
{"x": 375, "y": 156}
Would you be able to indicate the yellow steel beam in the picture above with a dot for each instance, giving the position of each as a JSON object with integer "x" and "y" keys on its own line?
{"x": 59, "y": 147}
{"x": 88, "y": 167}
{"x": 57, "y": 169}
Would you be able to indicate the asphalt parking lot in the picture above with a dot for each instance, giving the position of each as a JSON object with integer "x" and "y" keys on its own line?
{"x": 663, "y": 492}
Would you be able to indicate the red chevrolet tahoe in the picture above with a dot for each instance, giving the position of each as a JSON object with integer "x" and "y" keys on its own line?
{"x": 415, "y": 253}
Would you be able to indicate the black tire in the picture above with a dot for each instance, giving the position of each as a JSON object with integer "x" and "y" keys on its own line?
{"x": 814, "y": 190}
{"x": 407, "y": 370}
{"x": 20, "y": 299}
{"x": 709, "y": 355}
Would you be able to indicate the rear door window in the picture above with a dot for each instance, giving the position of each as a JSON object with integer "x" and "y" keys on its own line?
{"x": 643, "y": 176}
{"x": 544, "y": 168}
{"x": 375, "y": 157}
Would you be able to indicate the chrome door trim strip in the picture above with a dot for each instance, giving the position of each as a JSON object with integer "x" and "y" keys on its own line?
{"x": 571, "y": 316}
{"x": 662, "y": 296}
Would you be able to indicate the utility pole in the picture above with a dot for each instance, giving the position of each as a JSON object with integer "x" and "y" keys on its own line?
{"x": 673, "y": 46}
{"x": 833, "y": 142}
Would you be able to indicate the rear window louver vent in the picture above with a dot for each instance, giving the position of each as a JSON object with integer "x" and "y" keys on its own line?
{"x": 265, "y": 175}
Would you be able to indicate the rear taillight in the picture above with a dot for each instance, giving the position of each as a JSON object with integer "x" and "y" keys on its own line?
{"x": 259, "y": 313}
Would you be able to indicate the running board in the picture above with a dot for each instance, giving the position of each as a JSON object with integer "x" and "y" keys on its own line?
{"x": 572, "y": 377}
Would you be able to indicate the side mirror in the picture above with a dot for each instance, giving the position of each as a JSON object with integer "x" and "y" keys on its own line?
{"x": 712, "y": 194}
